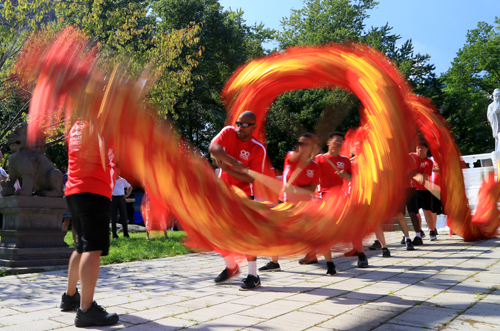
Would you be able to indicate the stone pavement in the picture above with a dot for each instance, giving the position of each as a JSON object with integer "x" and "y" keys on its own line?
{"x": 443, "y": 285}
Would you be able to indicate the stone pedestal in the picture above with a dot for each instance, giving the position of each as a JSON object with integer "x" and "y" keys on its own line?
{"x": 32, "y": 232}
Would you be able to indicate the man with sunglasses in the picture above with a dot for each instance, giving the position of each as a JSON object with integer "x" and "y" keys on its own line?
{"x": 234, "y": 150}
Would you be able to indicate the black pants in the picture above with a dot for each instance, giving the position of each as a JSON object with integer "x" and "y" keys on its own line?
{"x": 118, "y": 203}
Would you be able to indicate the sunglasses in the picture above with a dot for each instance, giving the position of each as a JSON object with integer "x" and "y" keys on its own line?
{"x": 244, "y": 124}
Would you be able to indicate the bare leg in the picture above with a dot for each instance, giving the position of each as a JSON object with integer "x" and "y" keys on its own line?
{"x": 147, "y": 235}
{"x": 89, "y": 272}
{"x": 65, "y": 224}
{"x": 430, "y": 220}
{"x": 434, "y": 217}
{"x": 415, "y": 222}
{"x": 73, "y": 273}
{"x": 402, "y": 223}
{"x": 275, "y": 259}
{"x": 380, "y": 236}
{"x": 328, "y": 255}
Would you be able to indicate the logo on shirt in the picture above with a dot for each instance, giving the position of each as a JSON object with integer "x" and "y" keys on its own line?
{"x": 310, "y": 173}
{"x": 423, "y": 164}
{"x": 340, "y": 165}
{"x": 244, "y": 154}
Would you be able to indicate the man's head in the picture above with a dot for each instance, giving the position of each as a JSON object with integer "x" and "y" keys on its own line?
{"x": 306, "y": 143}
{"x": 245, "y": 125}
{"x": 422, "y": 149}
{"x": 335, "y": 142}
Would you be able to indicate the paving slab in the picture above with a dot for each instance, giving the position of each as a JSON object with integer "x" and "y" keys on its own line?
{"x": 446, "y": 285}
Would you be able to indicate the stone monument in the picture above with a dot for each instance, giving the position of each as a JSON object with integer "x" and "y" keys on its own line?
{"x": 494, "y": 117}
{"x": 32, "y": 228}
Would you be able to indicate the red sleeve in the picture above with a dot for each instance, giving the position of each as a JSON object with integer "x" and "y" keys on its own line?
{"x": 223, "y": 137}
{"x": 428, "y": 168}
{"x": 257, "y": 161}
{"x": 348, "y": 167}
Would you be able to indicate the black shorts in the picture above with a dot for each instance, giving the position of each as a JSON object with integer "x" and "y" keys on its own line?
{"x": 90, "y": 214}
{"x": 411, "y": 200}
{"x": 424, "y": 200}
{"x": 436, "y": 206}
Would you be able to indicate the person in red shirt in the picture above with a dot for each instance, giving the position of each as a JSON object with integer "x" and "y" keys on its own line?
{"x": 435, "y": 181}
{"x": 235, "y": 150}
{"x": 423, "y": 197}
{"x": 335, "y": 172}
{"x": 300, "y": 178}
{"x": 88, "y": 194}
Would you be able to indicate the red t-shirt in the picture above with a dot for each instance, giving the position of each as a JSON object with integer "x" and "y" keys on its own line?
{"x": 251, "y": 153}
{"x": 329, "y": 179}
{"x": 85, "y": 171}
{"x": 309, "y": 175}
{"x": 412, "y": 166}
{"x": 424, "y": 168}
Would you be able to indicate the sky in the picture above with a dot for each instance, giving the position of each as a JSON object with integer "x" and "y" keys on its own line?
{"x": 436, "y": 27}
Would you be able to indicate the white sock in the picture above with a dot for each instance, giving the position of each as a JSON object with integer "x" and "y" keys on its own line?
{"x": 408, "y": 238}
{"x": 418, "y": 234}
{"x": 252, "y": 268}
{"x": 230, "y": 262}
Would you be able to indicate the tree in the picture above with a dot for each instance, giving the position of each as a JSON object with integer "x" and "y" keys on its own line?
{"x": 18, "y": 19}
{"x": 474, "y": 74}
{"x": 339, "y": 21}
{"x": 127, "y": 32}
{"x": 227, "y": 43}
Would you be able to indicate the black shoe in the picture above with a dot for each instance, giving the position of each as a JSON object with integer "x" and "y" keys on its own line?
{"x": 362, "y": 260}
{"x": 422, "y": 234}
{"x": 69, "y": 303}
{"x": 432, "y": 236}
{"x": 126, "y": 236}
{"x": 330, "y": 269}
{"x": 250, "y": 283}
{"x": 115, "y": 236}
{"x": 409, "y": 245}
{"x": 95, "y": 316}
{"x": 403, "y": 241}
{"x": 308, "y": 260}
{"x": 227, "y": 274}
{"x": 270, "y": 266}
{"x": 436, "y": 232}
{"x": 376, "y": 245}
{"x": 417, "y": 241}
{"x": 386, "y": 252}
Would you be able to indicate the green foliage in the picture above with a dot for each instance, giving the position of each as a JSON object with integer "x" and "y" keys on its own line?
{"x": 474, "y": 74}
{"x": 136, "y": 248}
{"x": 339, "y": 21}
{"x": 127, "y": 32}
{"x": 227, "y": 43}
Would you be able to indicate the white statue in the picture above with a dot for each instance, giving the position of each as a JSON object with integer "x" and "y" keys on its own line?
{"x": 494, "y": 117}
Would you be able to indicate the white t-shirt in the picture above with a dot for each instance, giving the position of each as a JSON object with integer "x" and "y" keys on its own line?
{"x": 120, "y": 186}
{"x": 2, "y": 174}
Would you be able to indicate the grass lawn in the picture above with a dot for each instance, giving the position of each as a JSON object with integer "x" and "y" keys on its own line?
{"x": 137, "y": 248}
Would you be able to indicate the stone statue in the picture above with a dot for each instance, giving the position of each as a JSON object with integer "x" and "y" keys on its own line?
{"x": 33, "y": 169}
{"x": 494, "y": 117}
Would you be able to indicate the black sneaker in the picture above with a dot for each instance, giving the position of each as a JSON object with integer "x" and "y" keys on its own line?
{"x": 362, "y": 260}
{"x": 386, "y": 252}
{"x": 403, "y": 241}
{"x": 417, "y": 241}
{"x": 115, "y": 236}
{"x": 330, "y": 269}
{"x": 409, "y": 245}
{"x": 270, "y": 266}
{"x": 422, "y": 234}
{"x": 69, "y": 303}
{"x": 376, "y": 245}
{"x": 250, "y": 283}
{"x": 95, "y": 316}
{"x": 227, "y": 274}
{"x": 432, "y": 236}
{"x": 436, "y": 231}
